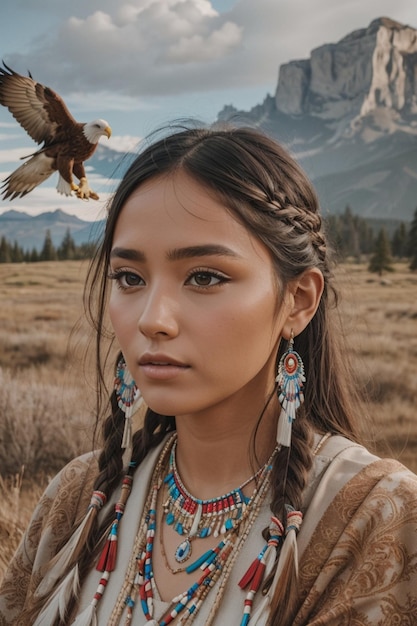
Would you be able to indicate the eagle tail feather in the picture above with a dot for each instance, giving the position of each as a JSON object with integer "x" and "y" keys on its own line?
{"x": 28, "y": 176}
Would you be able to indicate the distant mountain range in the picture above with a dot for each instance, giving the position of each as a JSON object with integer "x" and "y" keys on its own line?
{"x": 29, "y": 231}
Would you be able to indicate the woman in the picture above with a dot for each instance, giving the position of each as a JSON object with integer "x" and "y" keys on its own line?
{"x": 246, "y": 498}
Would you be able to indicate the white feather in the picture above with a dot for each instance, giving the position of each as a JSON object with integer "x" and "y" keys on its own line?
{"x": 87, "y": 618}
{"x": 58, "y": 602}
{"x": 94, "y": 130}
{"x": 63, "y": 187}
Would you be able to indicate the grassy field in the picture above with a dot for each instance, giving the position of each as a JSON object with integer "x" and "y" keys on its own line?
{"x": 47, "y": 400}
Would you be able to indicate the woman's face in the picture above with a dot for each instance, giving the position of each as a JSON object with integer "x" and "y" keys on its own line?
{"x": 194, "y": 301}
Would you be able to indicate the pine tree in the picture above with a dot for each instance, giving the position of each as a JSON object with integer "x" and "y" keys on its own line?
{"x": 34, "y": 256}
{"x": 399, "y": 241}
{"x": 5, "y": 252}
{"x": 48, "y": 252}
{"x": 67, "y": 249}
{"x": 350, "y": 234}
{"x": 381, "y": 260}
{"x": 17, "y": 253}
{"x": 412, "y": 243}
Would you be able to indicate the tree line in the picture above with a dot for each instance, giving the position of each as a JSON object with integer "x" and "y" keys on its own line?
{"x": 68, "y": 250}
{"x": 352, "y": 236}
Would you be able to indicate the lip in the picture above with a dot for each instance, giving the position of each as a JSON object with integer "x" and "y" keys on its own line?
{"x": 161, "y": 366}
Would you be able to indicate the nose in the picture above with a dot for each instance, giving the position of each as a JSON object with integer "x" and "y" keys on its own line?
{"x": 159, "y": 315}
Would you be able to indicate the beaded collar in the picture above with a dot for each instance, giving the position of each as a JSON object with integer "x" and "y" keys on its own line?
{"x": 191, "y": 517}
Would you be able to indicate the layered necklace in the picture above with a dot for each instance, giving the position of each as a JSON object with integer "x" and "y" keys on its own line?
{"x": 191, "y": 517}
{"x": 228, "y": 517}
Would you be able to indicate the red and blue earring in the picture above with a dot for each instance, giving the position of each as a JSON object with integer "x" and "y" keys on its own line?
{"x": 128, "y": 397}
{"x": 290, "y": 379}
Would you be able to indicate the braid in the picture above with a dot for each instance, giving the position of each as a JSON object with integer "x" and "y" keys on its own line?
{"x": 289, "y": 476}
{"x": 155, "y": 428}
{"x": 110, "y": 465}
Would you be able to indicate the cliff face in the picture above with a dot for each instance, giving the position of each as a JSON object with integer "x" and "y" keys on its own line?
{"x": 349, "y": 116}
{"x": 370, "y": 68}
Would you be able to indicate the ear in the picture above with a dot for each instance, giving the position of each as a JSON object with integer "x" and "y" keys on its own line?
{"x": 304, "y": 293}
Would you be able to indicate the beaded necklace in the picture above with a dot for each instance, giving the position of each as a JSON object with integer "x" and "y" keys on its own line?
{"x": 215, "y": 564}
{"x": 192, "y": 517}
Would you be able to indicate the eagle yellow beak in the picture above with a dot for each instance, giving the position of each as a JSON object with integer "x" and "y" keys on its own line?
{"x": 107, "y": 130}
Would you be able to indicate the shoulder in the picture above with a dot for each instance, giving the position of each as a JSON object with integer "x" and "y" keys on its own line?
{"x": 357, "y": 461}
{"x": 76, "y": 476}
{"x": 361, "y": 557}
{"x": 68, "y": 494}
{"x": 343, "y": 478}
{"x": 63, "y": 502}
{"x": 356, "y": 489}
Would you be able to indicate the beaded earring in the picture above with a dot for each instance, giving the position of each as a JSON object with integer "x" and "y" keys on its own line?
{"x": 290, "y": 379}
{"x": 129, "y": 399}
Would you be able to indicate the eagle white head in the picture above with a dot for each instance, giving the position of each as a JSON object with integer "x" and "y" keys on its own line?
{"x": 95, "y": 129}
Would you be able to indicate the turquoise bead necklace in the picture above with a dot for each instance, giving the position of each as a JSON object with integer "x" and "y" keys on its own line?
{"x": 192, "y": 517}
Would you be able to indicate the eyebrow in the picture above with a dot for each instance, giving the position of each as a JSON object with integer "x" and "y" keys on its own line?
{"x": 177, "y": 254}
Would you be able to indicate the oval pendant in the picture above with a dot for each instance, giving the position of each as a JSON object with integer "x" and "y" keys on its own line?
{"x": 183, "y": 552}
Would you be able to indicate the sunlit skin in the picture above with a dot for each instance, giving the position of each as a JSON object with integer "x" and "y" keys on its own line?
{"x": 198, "y": 314}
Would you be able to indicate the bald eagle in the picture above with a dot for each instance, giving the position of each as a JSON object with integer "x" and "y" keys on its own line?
{"x": 66, "y": 142}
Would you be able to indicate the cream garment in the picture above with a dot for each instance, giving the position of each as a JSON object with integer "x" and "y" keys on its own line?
{"x": 357, "y": 545}
{"x": 231, "y": 607}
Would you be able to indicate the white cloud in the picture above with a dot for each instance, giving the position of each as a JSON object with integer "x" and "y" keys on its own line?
{"x": 124, "y": 143}
{"x": 139, "y": 48}
{"x": 13, "y": 155}
{"x": 197, "y": 48}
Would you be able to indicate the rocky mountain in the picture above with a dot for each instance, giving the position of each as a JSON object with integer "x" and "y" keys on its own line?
{"x": 349, "y": 115}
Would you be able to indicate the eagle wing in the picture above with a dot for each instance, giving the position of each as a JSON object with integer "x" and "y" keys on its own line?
{"x": 38, "y": 109}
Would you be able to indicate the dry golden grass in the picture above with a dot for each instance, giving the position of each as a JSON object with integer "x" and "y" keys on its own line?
{"x": 44, "y": 416}
{"x": 17, "y": 504}
{"x": 380, "y": 318}
{"x": 46, "y": 405}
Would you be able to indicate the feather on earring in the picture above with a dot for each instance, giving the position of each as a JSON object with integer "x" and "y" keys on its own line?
{"x": 129, "y": 400}
{"x": 290, "y": 379}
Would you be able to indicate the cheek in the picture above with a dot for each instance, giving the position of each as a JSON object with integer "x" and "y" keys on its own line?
{"x": 120, "y": 315}
{"x": 113, "y": 310}
{"x": 251, "y": 330}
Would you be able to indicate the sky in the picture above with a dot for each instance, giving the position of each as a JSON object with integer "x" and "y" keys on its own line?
{"x": 140, "y": 64}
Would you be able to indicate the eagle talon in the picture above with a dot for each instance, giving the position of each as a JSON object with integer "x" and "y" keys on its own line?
{"x": 84, "y": 192}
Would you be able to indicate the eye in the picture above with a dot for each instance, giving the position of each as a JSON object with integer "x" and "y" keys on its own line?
{"x": 125, "y": 279}
{"x": 205, "y": 278}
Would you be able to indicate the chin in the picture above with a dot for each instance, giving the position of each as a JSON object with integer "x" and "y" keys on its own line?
{"x": 171, "y": 407}
{"x": 164, "y": 406}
